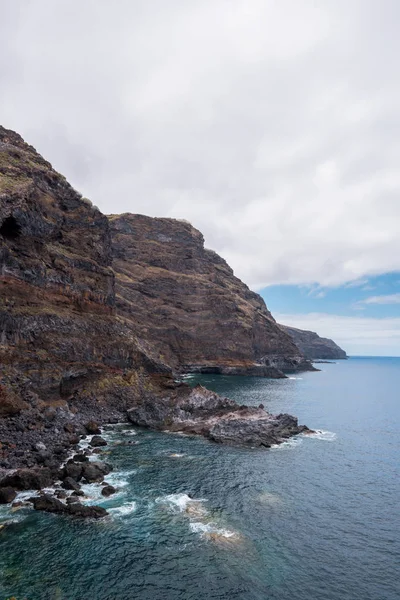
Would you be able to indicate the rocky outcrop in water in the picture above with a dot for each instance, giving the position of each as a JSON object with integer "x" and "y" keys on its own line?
{"x": 187, "y": 306}
{"x": 313, "y": 346}
{"x": 222, "y": 420}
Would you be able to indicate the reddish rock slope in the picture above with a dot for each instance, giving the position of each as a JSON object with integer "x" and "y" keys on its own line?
{"x": 185, "y": 301}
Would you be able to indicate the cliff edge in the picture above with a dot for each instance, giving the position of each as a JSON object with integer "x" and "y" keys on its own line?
{"x": 313, "y": 346}
{"x": 185, "y": 301}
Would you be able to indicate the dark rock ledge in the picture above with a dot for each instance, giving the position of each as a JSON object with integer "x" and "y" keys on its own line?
{"x": 222, "y": 420}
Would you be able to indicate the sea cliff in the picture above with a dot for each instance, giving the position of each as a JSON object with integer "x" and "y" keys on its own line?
{"x": 313, "y": 346}
{"x": 98, "y": 315}
{"x": 186, "y": 304}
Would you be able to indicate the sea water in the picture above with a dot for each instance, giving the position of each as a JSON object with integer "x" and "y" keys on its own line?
{"x": 316, "y": 518}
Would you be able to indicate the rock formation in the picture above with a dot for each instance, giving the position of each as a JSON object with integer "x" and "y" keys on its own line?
{"x": 75, "y": 355}
{"x": 186, "y": 304}
{"x": 313, "y": 346}
{"x": 63, "y": 352}
{"x": 222, "y": 420}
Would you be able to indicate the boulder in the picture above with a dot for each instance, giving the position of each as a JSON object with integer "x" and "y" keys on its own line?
{"x": 97, "y": 441}
{"x": 91, "y": 512}
{"x": 49, "y": 503}
{"x": 93, "y": 428}
{"x": 28, "y": 479}
{"x": 7, "y": 495}
{"x": 80, "y": 457}
{"x": 73, "y": 470}
{"x": 108, "y": 490}
{"x": 95, "y": 471}
{"x": 71, "y": 484}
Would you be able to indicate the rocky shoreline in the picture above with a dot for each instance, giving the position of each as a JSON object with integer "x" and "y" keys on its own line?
{"x": 195, "y": 411}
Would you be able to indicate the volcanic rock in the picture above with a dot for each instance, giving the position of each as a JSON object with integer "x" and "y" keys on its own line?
{"x": 28, "y": 479}
{"x": 108, "y": 490}
{"x": 222, "y": 420}
{"x": 71, "y": 484}
{"x": 185, "y": 302}
{"x": 7, "y": 495}
{"x": 97, "y": 441}
{"x": 92, "y": 428}
{"x": 94, "y": 472}
{"x": 313, "y": 346}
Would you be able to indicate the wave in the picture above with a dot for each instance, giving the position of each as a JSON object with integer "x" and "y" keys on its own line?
{"x": 124, "y": 510}
{"x": 287, "y": 444}
{"x": 212, "y": 531}
{"x": 321, "y": 434}
{"x": 299, "y": 378}
{"x": 179, "y": 501}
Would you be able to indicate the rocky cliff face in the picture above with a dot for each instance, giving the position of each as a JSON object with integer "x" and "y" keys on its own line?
{"x": 73, "y": 350}
{"x": 62, "y": 349}
{"x": 313, "y": 346}
{"x": 185, "y": 302}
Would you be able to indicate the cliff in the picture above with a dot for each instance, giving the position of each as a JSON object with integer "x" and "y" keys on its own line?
{"x": 63, "y": 351}
{"x": 184, "y": 301}
{"x": 91, "y": 326}
{"x": 313, "y": 346}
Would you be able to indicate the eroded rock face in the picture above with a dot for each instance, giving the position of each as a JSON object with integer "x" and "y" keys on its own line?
{"x": 185, "y": 302}
{"x": 313, "y": 346}
{"x": 66, "y": 359}
{"x": 205, "y": 413}
{"x": 76, "y": 352}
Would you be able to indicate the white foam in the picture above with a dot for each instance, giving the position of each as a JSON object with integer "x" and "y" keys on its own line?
{"x": 297, "y": 378}
{"x": 125, "y": 509}
{"x": 119, "y": 478}
{"x": 287, "y": 444}
{"x": 320, "y": 434}
{"x": 92, "y": 492}
{"x": 84, "y": 442}
{"x": 207, "y": 529}
{"x": 179, "y": 501}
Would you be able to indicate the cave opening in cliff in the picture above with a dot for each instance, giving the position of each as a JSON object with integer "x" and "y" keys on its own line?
{"x": 10, "y": 229}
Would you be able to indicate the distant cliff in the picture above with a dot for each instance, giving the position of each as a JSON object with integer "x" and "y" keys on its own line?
{"x": 313, "y": 346}
{"x": 186, "y": 304}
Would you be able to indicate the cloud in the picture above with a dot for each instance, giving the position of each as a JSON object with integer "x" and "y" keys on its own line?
{"x": 357, "y": 335}
{"x": 269, "y": 125}
{"x": 388, "y": 299}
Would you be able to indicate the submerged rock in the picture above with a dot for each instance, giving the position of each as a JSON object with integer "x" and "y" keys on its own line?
{"x": 220, "y": 419}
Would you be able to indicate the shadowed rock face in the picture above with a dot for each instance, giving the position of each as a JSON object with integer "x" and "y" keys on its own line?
{"x": 62, "y": 349}
{"x": 185, "y": 301}
{"x": 313, "y": 346}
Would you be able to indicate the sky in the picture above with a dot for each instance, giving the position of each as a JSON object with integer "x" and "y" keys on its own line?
{"x": 272, "y": 126}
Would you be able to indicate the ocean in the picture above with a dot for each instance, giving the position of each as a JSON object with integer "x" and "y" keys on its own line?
{"x": 316, "y": 518}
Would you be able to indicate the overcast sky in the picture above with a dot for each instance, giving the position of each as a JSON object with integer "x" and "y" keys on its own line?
{"x": 273, "y": 126}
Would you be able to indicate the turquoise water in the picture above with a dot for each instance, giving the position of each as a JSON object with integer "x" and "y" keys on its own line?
{"x": 316, "y": 518}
